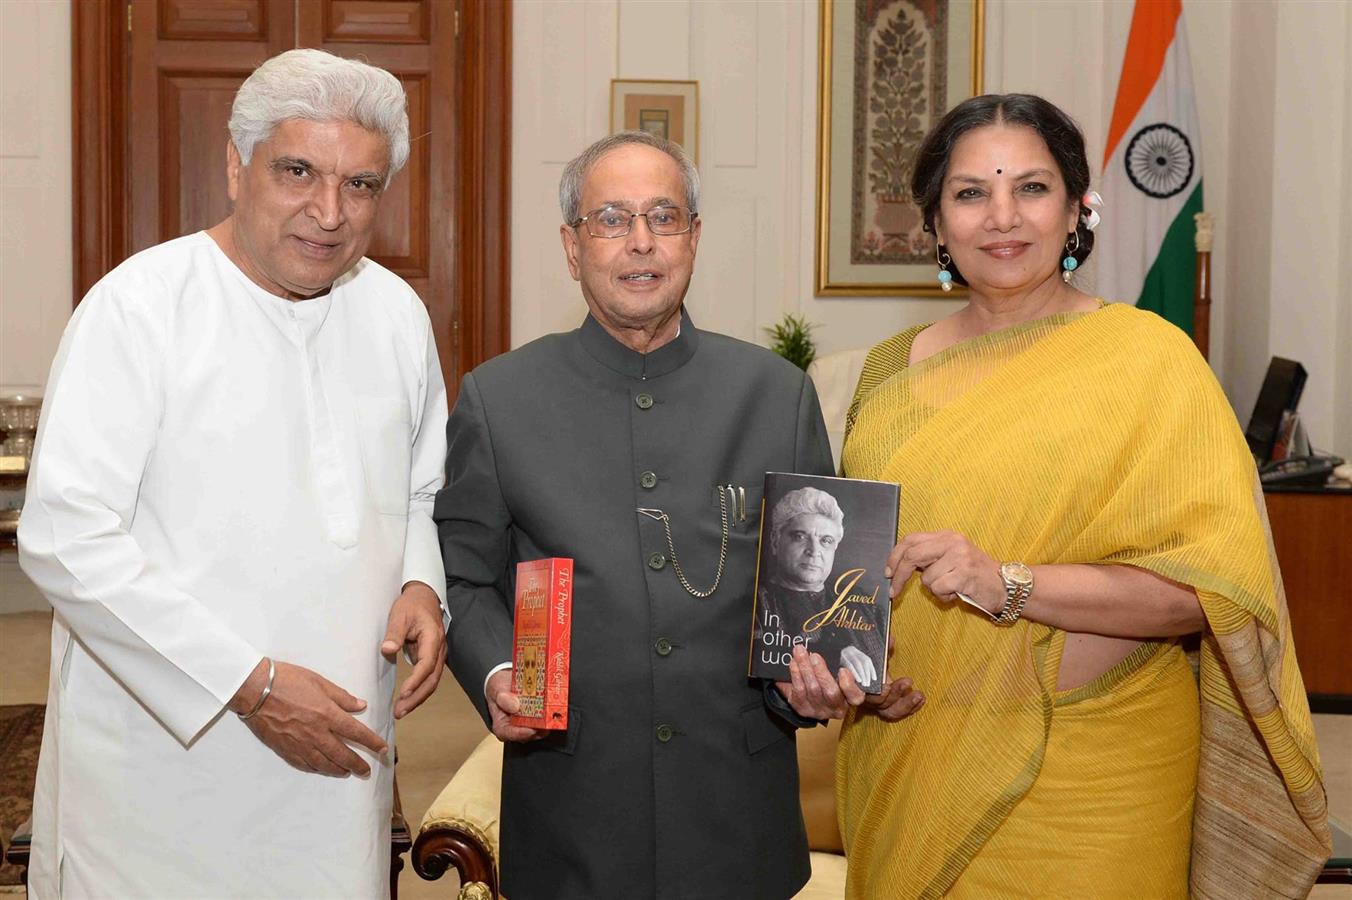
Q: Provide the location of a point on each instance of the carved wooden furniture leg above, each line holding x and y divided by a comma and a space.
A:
400, 840
18, 850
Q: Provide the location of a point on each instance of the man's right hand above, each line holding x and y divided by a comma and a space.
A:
307, 720
503, 703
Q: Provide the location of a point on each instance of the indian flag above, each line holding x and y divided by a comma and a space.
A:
1152, 170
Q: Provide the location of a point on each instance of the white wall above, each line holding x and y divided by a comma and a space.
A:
1309, 291
1269, 76
1342, 346
35, 189
1289, 274
1248, 260
35, 215
565, 54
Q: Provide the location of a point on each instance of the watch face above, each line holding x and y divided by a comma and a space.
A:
1017, 572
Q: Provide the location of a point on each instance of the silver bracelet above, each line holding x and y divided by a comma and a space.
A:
267, 689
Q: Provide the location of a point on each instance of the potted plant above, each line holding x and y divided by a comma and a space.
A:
792, 339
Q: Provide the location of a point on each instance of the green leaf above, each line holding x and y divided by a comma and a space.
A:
792, 339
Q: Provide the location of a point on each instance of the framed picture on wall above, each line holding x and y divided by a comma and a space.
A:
668, 109
887, 71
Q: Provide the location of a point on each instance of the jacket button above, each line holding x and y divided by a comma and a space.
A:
644, 401
648, 480
657, 562
663, 647
665, 733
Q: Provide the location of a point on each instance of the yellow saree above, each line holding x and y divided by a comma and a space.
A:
1103, 438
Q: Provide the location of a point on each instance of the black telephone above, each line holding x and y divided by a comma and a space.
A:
1312, 470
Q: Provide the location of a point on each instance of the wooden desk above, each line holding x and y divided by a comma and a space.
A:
1313, 536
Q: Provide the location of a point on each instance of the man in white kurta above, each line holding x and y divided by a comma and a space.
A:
227, 476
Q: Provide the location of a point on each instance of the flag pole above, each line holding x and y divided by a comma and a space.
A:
1201, 303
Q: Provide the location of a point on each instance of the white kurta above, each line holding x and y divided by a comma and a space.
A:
221, 475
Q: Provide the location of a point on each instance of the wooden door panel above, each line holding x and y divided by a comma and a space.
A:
213, 20
194, 112
401, 236
384, 21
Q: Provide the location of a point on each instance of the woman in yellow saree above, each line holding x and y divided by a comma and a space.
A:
1076, 495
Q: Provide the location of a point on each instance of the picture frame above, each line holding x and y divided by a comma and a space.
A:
669, 109
890, 68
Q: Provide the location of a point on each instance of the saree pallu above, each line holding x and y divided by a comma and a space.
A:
1098, 438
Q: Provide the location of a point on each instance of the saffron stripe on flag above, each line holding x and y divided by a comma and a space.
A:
1153, 23
1153, 170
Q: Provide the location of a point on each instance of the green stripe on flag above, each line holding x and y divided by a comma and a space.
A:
1169, 285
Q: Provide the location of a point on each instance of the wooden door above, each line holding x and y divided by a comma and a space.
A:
174, 73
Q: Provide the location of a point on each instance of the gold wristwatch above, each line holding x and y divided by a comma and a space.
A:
1018, 580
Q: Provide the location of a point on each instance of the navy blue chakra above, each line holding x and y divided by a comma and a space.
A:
1159, 160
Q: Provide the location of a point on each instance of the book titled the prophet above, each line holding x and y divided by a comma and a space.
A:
819, 577
540, 643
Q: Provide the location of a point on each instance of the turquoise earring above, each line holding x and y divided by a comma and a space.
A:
1070, 263
944, 260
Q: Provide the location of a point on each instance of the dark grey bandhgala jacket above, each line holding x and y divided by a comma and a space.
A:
675, 779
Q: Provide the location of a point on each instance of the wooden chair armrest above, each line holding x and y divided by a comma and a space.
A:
460, 829
443, 846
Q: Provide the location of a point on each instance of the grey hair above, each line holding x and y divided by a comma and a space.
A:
575, 173
804, 501
320, 87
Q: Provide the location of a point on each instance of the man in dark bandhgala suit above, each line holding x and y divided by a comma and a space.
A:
637, 445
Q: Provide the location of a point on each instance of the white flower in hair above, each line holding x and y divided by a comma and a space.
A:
1093, 202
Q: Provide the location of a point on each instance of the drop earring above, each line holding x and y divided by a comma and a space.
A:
1070, 263
944, 260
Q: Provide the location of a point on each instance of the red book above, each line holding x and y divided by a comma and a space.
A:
540, 644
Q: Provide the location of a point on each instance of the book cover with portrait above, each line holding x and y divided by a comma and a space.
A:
819, 578
542, 627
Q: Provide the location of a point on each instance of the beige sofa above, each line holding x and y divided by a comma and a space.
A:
835, 377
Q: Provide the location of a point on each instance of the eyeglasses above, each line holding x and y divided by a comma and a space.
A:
615, 221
